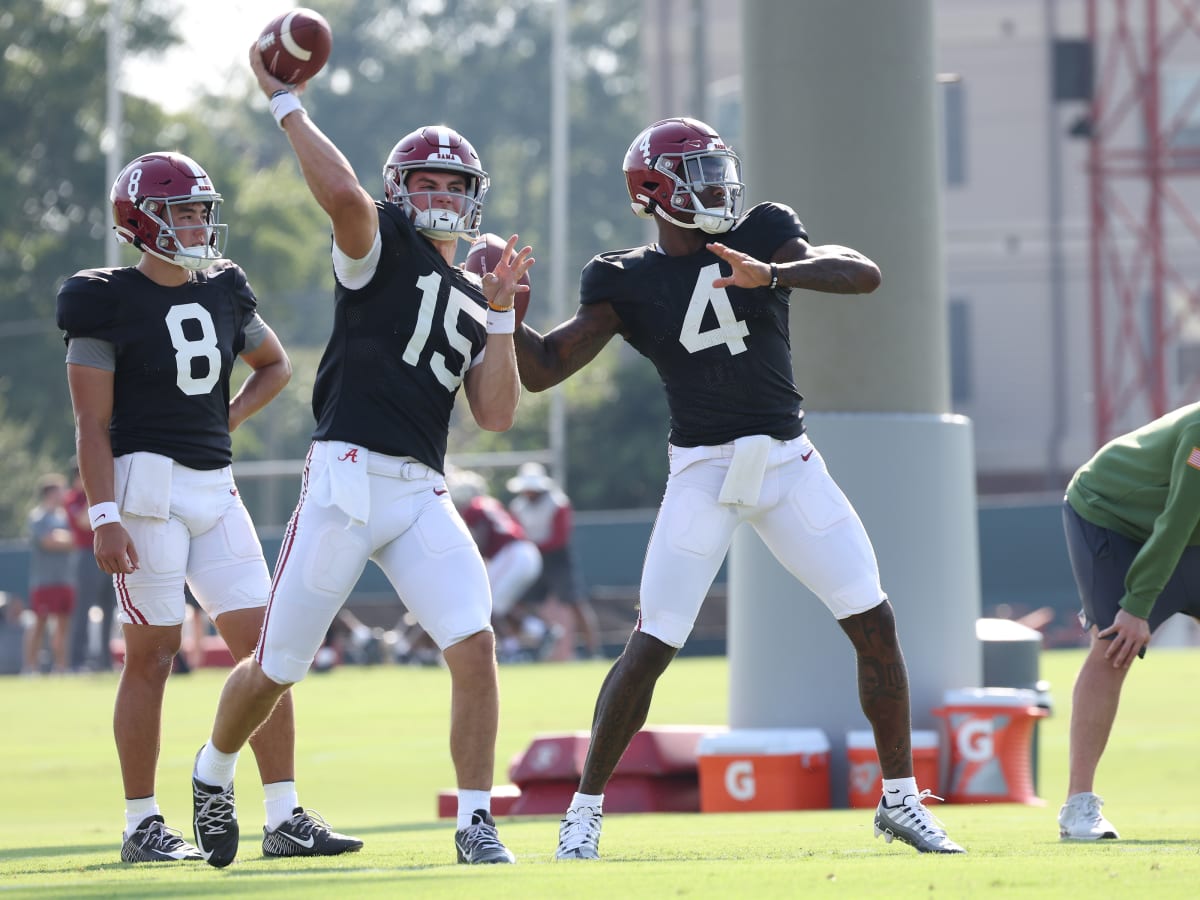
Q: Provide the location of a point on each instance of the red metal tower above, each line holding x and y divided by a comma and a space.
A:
1144, 261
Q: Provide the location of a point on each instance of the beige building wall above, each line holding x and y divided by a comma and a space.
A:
1015, 200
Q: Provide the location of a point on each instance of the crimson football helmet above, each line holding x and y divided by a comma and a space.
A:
672, 169
143, 197
442, 149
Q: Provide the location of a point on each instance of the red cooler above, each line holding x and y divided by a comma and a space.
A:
989, 733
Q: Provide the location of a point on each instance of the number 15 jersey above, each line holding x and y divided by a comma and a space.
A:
399, 350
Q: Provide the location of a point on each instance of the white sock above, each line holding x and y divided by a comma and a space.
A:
594, 800
137, 810
896, 789
281, 800
215, 768
468, 802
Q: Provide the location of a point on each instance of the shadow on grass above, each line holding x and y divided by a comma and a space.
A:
316, 883
250, 845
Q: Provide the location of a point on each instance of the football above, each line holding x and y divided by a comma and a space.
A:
482, 258
295, 45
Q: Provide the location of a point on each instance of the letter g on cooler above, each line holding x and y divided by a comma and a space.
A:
976, 740
739, 780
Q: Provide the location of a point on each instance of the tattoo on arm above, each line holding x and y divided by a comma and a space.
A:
546, 360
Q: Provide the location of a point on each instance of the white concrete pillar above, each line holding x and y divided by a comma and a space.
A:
841, 124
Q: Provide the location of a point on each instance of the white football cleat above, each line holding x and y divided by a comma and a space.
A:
579, 834
1080, 819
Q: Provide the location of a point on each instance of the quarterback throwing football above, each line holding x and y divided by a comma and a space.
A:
713, 318
409, 330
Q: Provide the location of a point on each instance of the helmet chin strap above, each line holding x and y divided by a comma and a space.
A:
441, 224
713, 224
196, 258
706, 221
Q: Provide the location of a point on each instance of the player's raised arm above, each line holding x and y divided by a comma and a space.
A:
326, 170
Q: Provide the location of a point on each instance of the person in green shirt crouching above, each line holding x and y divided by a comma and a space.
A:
1132, 521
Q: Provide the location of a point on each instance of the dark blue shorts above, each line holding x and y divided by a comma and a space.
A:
1100, 558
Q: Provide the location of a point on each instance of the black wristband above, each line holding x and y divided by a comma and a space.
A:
774, 277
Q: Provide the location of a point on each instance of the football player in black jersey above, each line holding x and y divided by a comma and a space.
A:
409, 330
150, 349
713, 318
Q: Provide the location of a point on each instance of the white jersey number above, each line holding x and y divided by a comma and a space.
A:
730, 329
186, 349
458, 303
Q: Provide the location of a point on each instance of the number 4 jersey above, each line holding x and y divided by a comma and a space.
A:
724, 355
174, 349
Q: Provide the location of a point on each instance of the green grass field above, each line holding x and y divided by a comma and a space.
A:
372, 753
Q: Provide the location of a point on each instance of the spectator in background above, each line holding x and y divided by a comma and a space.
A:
92, 586
1132, 521
513, 565
545, 513
51, 592
12, 633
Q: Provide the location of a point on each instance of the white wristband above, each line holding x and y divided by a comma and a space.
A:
282, 103
103, 514
501, 322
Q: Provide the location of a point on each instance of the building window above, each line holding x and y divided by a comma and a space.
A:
961, 389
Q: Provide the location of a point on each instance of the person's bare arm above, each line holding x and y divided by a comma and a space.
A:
92, 400
272, 370
492, 387
330, 178
546, 360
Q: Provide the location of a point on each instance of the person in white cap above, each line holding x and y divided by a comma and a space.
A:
546, 514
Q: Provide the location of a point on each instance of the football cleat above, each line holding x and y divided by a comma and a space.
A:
214, 821
153, 841
912, 824
1080, 819
307, 834
579, 834
479, 843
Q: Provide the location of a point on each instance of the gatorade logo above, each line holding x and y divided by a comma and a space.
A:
976, 740
863, 776
739, 780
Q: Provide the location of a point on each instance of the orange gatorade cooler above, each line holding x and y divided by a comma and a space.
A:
866, 778
989, 734
760, 769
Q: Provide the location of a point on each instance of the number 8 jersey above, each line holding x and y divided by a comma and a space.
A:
174, 349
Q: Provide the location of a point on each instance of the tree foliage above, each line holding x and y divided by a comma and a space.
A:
53, 203
481, 66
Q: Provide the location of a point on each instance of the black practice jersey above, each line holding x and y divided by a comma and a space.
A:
175, 348
724, 356
399, 349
